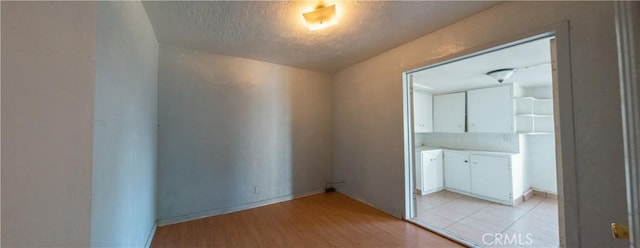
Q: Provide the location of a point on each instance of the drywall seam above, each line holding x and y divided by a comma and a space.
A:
227, 210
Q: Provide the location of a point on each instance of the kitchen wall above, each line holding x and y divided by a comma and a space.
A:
124, 143
471, 141
237, 133
540, 158
368, 100
48, 54
539, 150
540, 92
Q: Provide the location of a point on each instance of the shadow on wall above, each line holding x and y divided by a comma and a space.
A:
236, 133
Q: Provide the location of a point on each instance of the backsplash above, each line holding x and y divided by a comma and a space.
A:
470, 141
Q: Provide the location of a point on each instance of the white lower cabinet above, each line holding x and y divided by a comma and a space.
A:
429, 171
496, 177
457, 175
491, 177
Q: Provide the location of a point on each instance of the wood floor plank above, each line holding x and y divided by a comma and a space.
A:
322, 220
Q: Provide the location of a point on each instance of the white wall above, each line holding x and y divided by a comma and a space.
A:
48, 50
368, 131
540, 152
236, 133
540, 92
472, 141
124, 145
541, 162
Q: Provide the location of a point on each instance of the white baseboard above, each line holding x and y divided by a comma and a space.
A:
226, 210
150, 237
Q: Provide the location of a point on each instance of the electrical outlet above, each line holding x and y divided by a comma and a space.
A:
506, 137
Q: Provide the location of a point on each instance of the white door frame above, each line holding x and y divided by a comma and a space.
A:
628, 36
563, 116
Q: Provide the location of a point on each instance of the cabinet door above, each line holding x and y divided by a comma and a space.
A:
490, 110
491, 177
432, 171
422, 112
419, 165
457, 174
449, 113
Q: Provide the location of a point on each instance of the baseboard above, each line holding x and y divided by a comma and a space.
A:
546, 194
528, 194
150, 237
226, 210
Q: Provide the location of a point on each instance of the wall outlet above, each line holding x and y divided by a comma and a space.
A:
506, 137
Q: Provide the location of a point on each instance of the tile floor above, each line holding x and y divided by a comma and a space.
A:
532, 223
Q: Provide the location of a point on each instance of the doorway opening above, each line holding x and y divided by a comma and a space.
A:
482, 138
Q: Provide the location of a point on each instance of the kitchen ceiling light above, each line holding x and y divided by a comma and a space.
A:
501, 74
321, 17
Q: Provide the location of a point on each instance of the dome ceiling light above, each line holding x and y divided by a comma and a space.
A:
321, 17
501, 74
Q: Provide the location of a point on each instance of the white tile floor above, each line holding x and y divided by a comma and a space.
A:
532, 223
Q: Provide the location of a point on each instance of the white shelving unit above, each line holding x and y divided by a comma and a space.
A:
533, 115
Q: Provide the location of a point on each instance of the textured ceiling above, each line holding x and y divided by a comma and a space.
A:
532, 61
275, 31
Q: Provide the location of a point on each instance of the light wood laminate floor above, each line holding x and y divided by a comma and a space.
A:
322, 220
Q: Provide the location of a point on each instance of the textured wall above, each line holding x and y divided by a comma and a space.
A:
368, 143
48, 50
236, 132
124, 145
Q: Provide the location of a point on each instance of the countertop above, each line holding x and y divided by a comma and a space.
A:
430, 148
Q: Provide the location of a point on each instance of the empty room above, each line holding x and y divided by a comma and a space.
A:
319, 124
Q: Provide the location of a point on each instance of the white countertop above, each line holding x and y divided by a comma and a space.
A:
429, 148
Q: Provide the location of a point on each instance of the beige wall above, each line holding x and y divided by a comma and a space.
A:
48, 51
125, 133
236, 133
368, 131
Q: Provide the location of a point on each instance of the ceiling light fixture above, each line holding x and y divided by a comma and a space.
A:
501, 74
321, 17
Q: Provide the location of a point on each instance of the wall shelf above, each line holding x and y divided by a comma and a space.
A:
533, 115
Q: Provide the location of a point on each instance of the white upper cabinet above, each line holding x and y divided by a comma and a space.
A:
422, 112
449, 113
490, 110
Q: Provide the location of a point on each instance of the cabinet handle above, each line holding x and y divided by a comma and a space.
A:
466, 161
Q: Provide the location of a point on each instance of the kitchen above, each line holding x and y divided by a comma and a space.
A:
485, 146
